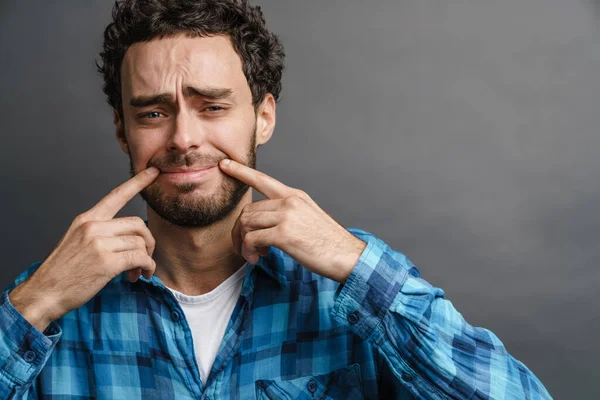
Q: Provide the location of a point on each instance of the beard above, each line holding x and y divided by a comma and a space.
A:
201, 209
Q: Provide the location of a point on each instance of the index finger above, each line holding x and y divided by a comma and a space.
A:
110, 205
268, 186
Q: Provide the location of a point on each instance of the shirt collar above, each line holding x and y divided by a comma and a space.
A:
272, 266
269, 265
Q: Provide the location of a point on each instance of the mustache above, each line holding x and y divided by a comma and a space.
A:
184, 160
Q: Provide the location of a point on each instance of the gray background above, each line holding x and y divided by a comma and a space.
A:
463, 133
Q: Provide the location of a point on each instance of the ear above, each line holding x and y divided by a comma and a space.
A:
265, 120
120, 130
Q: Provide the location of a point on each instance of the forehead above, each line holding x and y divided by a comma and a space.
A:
161, 65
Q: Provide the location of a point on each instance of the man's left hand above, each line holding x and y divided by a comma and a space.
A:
291, 221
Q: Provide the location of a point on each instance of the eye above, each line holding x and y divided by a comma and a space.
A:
214, 108
152, 115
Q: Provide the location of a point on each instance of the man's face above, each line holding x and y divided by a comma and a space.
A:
187, 104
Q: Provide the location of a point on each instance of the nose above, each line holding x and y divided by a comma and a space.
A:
188, 132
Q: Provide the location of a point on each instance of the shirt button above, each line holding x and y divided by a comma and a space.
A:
353, 318
311, 386
175, 316
29, 356
406, 377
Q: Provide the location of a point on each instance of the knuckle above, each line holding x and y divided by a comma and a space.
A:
80, 219
245, 218
149, 235
87, 228
116, 192
292, 201
262, 177
137, 258
149, 240
301, 194
248, 239
97, 245
247, 208
139, 242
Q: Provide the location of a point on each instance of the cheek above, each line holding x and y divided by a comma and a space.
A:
143, 151
143, 143
234, 140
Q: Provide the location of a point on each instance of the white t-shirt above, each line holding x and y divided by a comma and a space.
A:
208, 315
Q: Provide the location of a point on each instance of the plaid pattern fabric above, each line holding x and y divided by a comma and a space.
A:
386, 333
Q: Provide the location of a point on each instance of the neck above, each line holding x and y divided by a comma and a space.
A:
195, 260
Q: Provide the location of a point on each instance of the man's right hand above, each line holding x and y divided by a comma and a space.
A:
95, 249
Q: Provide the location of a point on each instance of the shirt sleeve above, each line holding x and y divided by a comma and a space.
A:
427, 344
24, 350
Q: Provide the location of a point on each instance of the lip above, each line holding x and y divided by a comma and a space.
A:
189, 169
179, 175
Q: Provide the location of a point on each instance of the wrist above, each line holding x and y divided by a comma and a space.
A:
347, 260
33, 307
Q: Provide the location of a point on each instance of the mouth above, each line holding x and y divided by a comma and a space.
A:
188, 169
199, 174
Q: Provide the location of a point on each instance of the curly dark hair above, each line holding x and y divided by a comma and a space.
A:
134, 21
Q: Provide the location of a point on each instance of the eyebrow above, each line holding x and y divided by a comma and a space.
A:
189, 91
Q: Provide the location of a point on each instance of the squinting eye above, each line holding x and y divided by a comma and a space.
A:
214, 108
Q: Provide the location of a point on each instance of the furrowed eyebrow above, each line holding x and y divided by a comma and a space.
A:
145, 101
210, 93
189, 91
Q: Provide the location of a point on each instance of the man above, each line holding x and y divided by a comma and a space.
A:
216, 296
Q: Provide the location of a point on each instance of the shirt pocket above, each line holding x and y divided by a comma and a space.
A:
344, 383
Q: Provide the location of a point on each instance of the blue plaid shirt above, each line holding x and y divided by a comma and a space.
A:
386, 333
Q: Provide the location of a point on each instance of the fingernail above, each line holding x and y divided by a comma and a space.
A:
152, 170
226, 161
